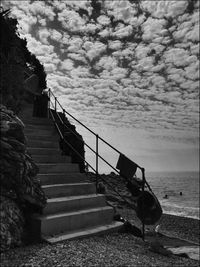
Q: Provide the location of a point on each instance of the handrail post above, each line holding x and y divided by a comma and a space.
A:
63, 124
143, 184
55, 103
49, 94
97, 160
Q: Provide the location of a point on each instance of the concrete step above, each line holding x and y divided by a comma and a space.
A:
39, 126
43, 151
26, 112
73, 203
58, 167
47, 137
41, 143
37, 121
75, 189
38, 131
49, 225
91, 231
51, 158
62, 178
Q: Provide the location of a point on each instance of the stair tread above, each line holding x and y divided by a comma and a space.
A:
66, 184
60, 178
50, 137
40, 131
44, 141
43, 148
58, 167
68, 163
83, 233
51, 158
43, 130
56, 173
71, 213
63, 173
60, 199
43, 135
36, 119
52, 155
30, 123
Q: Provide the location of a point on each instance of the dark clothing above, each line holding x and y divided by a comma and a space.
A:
148, 210
134, 188
127, 167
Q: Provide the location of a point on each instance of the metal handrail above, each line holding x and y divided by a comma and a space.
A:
95, 152
97, 137
103, 140
74, 133
106, 182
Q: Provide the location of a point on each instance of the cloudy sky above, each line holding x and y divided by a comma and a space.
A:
128, 69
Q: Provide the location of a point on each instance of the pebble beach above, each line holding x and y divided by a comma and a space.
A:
115, 249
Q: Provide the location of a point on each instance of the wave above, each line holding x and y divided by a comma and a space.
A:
173, 209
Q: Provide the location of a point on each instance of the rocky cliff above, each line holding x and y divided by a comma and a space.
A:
21, 193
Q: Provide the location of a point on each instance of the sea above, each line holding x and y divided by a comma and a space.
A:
178, 192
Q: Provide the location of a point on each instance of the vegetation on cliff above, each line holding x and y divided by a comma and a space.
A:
17, 63
21, 193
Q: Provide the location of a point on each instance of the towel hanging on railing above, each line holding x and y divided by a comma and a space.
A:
127, 167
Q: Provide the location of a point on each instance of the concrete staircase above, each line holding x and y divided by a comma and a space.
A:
73, 208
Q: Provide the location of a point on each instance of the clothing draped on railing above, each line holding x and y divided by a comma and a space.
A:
126, 166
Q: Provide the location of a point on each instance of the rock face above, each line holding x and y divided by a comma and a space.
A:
113, 184
119, 194
12, 224
21, 193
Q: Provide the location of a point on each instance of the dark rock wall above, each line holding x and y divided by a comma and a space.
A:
21, 193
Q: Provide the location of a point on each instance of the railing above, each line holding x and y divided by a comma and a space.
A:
54, 103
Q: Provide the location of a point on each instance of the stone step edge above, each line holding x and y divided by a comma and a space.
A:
44, 129
72, 213
27, 121
101, 229
51, 167
63, 173
48, 164
35, 119
66, 184
61, 199
45, 124
43, 141
69, 177
43, 136
52, 156
44, 148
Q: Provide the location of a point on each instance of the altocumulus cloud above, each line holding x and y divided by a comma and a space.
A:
125, 63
